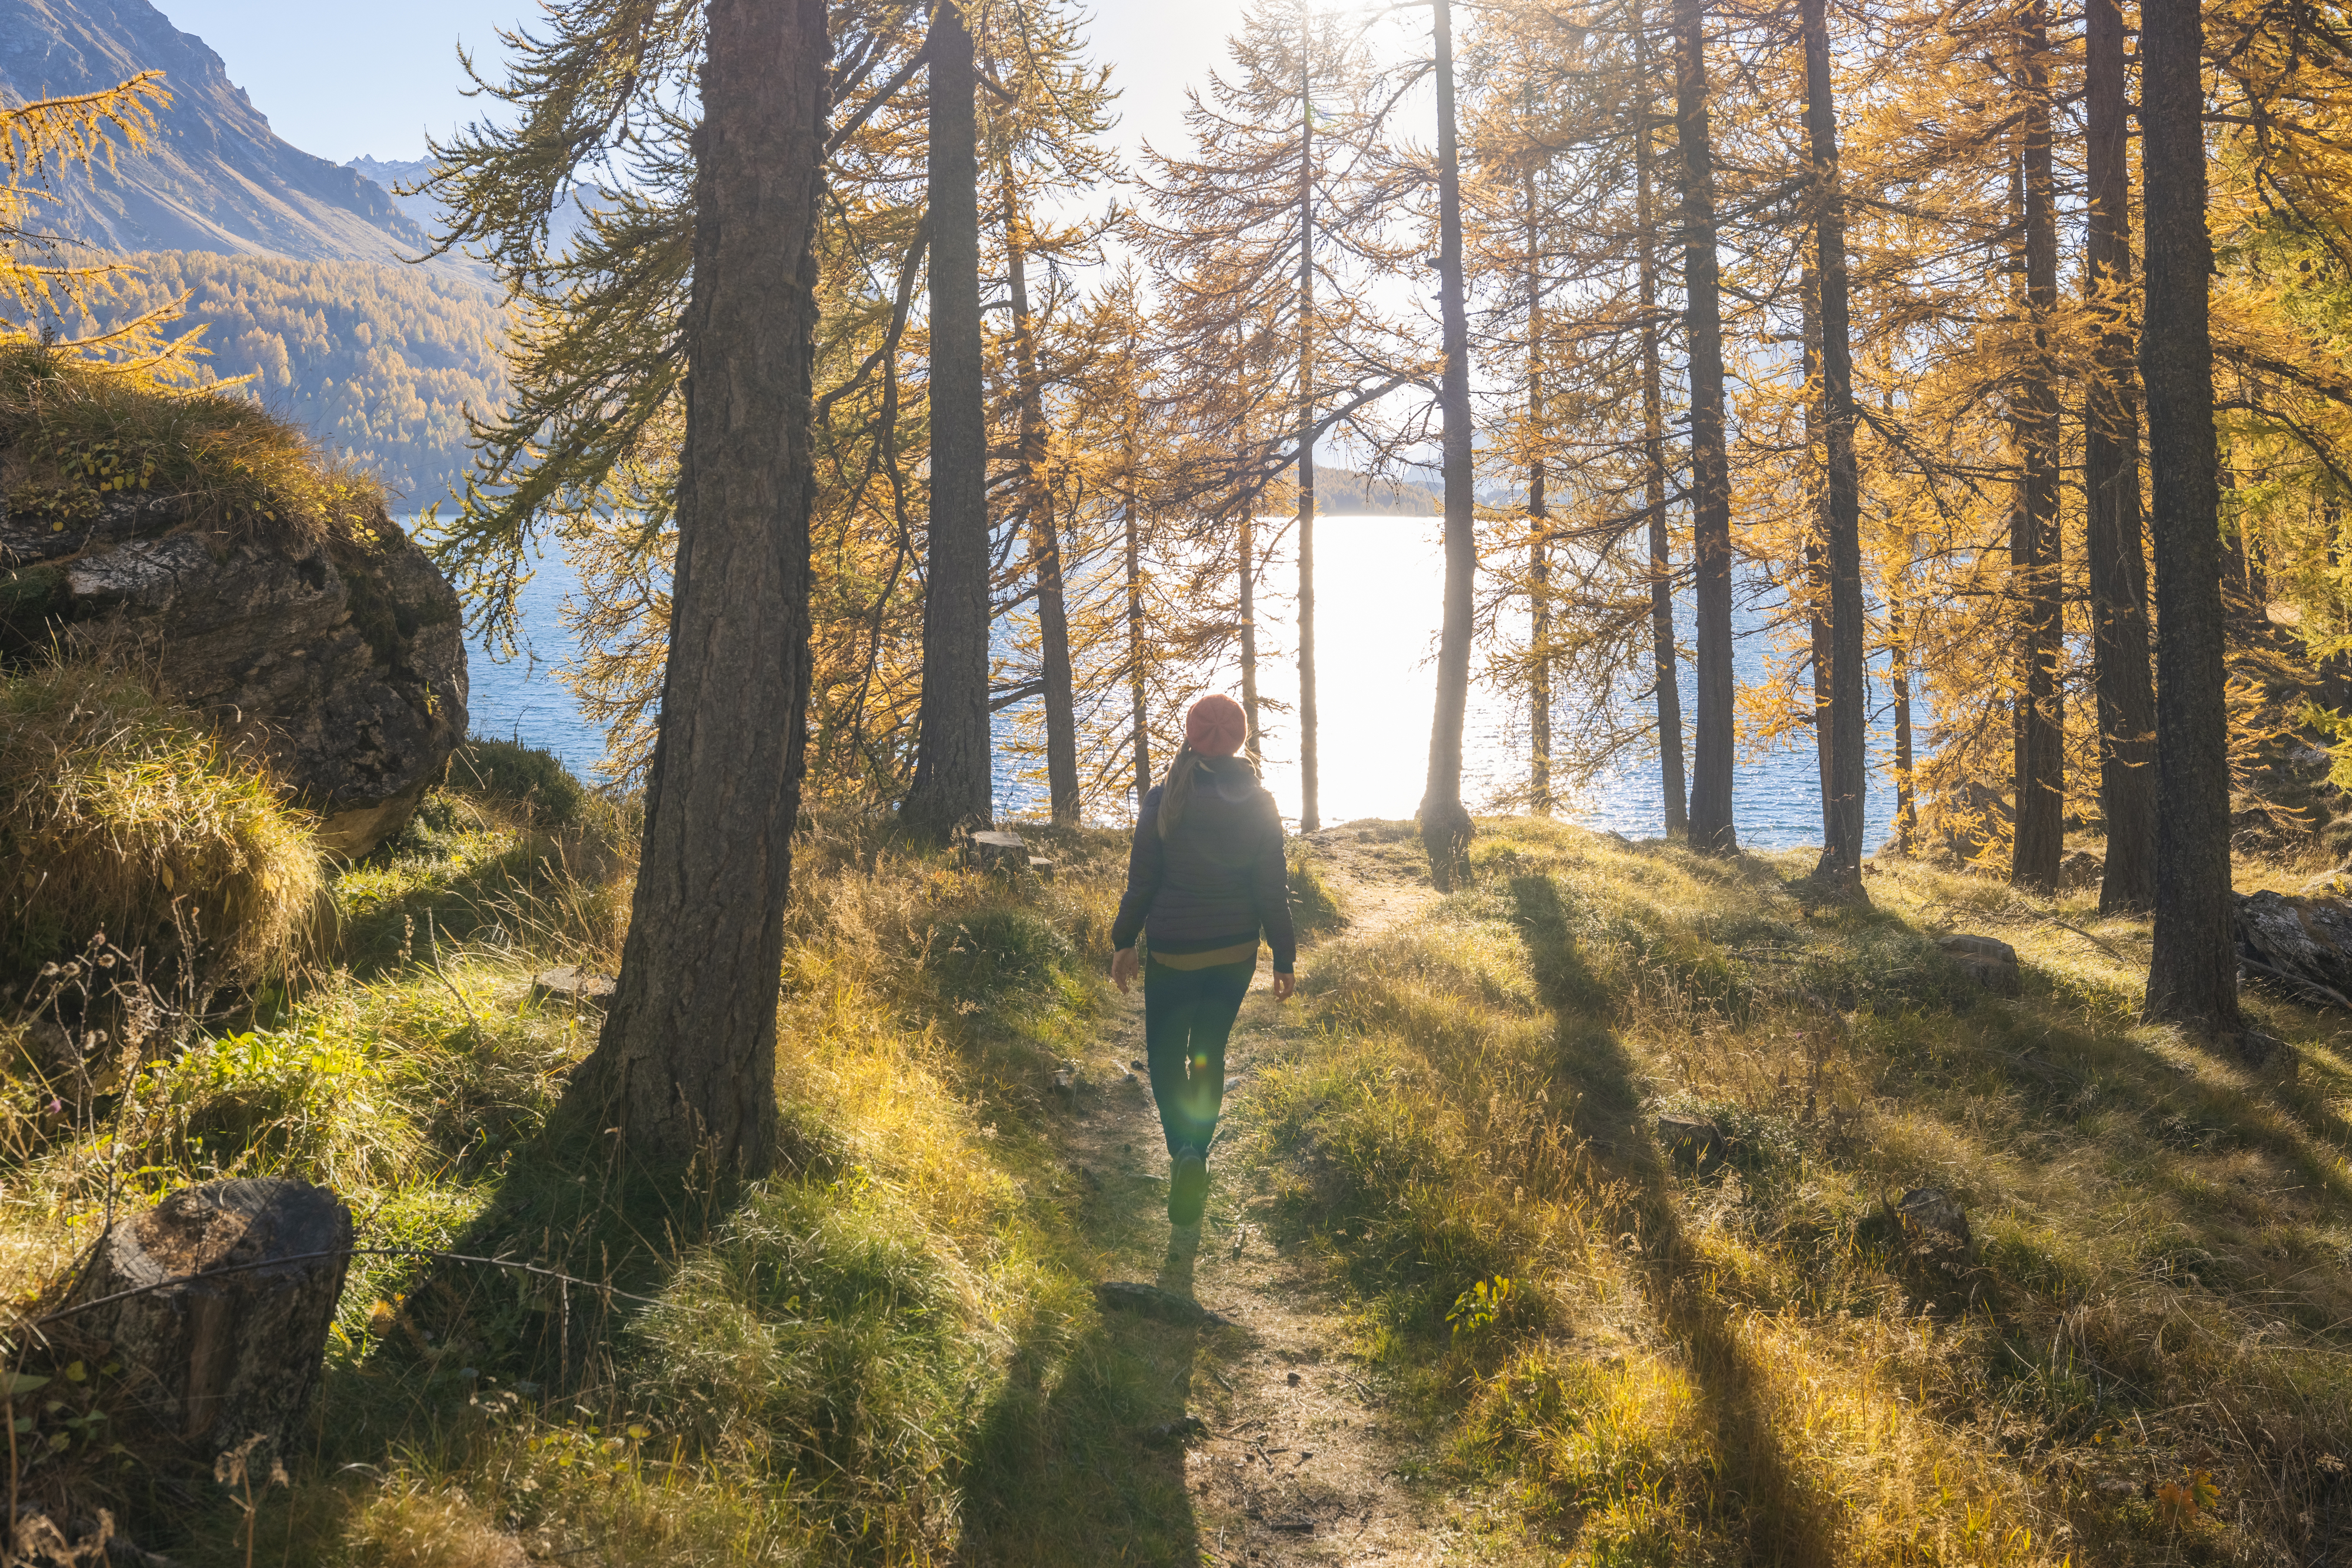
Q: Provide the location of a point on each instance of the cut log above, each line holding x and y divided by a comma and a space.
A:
227, 1291
2302, 946
998, 852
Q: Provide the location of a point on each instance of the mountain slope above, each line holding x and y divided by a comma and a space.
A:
426, 212
215, 177
378, 362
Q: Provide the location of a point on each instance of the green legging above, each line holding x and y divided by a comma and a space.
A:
1187, 1016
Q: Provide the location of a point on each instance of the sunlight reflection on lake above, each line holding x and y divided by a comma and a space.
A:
1377, 582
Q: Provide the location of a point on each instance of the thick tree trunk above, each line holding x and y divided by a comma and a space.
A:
2112, 536
1309, 762
953, 786
1044, 539
1847, 782
1711, 825
686, 1066
2192, 975
1665, 649
2040, 761
1445, 827
236, 1284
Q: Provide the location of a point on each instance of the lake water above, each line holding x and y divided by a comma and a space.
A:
1377, 582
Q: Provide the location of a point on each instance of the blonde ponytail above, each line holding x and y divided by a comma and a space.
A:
1176, 791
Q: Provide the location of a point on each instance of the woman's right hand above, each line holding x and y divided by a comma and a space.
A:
1123, 968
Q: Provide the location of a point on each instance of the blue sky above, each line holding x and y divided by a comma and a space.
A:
340, 79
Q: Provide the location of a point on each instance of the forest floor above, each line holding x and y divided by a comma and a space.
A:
1479, 1296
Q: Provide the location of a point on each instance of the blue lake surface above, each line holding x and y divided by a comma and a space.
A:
1376, 597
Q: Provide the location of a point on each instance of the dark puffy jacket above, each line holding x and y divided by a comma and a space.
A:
1218, 877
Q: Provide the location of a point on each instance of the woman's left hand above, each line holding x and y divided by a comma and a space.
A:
1284, 985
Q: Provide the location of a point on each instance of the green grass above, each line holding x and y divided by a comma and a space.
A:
2143, 1360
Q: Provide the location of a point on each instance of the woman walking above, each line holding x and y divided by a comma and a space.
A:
1204, 879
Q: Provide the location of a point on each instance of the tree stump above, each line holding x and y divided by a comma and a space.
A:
236, 1283
1000, 852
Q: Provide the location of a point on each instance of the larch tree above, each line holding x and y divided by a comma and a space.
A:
2113, 543
1711, 824
685, 1066
1444, 821
954, 785
2192, 976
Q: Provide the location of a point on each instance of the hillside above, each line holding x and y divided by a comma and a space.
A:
378, 362
214, 176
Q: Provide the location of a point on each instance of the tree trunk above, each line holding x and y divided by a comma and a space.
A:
1816, 568
1135, 682
1309, 804
1898, 649
686, 1066
1254, 743
2040, 771
2192, 975
1445, 827
953, 788
1848, 779
1539, 550
2112, 538
1711, 825
213, 1361
1665, 649
1044, 539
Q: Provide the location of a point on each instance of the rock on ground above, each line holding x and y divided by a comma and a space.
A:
342, 662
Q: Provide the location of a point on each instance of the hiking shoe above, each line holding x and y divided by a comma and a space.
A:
1188, 1190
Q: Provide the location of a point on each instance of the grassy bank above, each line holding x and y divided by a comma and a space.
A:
849, 1364
2141, 1357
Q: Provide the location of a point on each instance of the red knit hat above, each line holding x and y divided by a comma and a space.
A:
1215, 726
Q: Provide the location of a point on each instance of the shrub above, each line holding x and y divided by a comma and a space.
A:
980, 955
532, 782
120, 812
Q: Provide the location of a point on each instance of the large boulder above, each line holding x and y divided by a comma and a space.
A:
341, 658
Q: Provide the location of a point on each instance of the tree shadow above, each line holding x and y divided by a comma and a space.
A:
1786, 1521
1080, 1458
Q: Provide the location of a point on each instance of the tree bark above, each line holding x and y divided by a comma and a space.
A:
1135, 683
2112, 534
1309, 804
2192, 976
1847, 778
1665, 649
1044, 539
1255, 742
1711, 825
1898, 651
686, 1065
1539, 550
2040, 762
952, 786
1445, 828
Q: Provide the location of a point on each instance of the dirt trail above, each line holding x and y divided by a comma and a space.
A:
1299, 1460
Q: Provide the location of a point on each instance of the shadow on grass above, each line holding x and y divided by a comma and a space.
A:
1785, 1522
1088, 1468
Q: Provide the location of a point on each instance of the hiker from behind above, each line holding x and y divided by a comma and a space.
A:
1204, 879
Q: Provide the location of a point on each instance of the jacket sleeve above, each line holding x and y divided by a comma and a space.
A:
1272, 880
1147, 862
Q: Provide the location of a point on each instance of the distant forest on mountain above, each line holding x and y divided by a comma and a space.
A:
379, 362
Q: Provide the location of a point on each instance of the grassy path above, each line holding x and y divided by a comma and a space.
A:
1300, 1458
